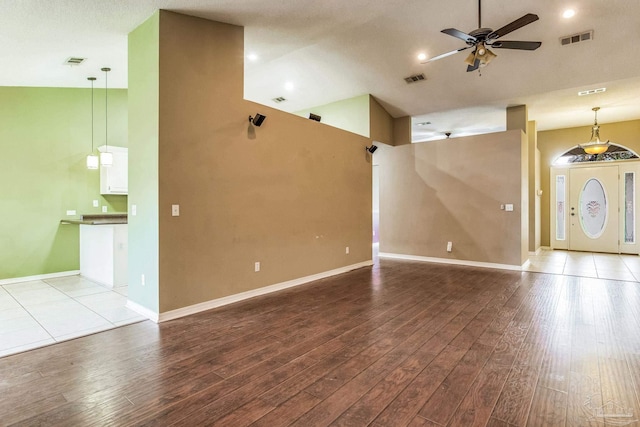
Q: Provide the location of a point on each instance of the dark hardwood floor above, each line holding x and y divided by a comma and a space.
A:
399, 344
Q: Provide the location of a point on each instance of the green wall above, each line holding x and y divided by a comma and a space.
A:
144, 70
45, 135
348, 114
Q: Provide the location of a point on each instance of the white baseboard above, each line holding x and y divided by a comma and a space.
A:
39, 277
142, 311
208, 305
454, 261
537, 251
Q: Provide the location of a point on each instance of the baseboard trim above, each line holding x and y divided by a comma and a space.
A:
453, 261
142, 311
536, 252
208, 305
39, 277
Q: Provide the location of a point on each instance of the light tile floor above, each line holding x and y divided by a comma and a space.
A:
42, 312
586, 264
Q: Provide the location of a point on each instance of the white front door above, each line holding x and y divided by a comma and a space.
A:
593, 209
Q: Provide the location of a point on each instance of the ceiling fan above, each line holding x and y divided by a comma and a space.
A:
483, 38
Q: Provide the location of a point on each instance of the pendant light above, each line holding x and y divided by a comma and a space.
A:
595, 146
92, 159
106, 158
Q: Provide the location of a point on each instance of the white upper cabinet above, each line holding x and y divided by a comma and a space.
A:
115, 179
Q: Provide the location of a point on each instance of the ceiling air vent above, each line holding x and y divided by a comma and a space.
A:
577, 38
279, 99
415, 78
73, 60
592, 91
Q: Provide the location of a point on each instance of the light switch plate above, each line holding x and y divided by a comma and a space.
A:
175, 210
508, 207
134, 210
96, 203
71, 213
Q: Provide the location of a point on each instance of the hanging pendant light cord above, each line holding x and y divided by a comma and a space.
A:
92, 116
106, 111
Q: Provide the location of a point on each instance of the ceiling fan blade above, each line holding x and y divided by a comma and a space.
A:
513, 44
468, 38
518, 23
444, 55
473, 67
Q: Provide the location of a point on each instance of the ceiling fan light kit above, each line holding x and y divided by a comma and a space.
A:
483, 38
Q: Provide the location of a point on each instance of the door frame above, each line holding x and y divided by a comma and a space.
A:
624, 167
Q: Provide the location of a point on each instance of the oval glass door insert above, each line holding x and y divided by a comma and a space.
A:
593, 208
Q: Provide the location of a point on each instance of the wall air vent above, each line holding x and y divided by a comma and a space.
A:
577, 38
279, 99
74, 60
415, 78
592, 91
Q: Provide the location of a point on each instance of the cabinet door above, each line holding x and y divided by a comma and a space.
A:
115, 179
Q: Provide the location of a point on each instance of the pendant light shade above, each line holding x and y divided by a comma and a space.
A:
106, 158
595, 146
92, 159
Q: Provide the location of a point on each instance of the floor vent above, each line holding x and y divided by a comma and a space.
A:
577, 38
73, 60
415, 78
279, 99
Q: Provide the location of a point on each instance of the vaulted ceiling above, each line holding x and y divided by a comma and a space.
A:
317, 52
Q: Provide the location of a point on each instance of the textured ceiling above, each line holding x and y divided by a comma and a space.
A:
336, 49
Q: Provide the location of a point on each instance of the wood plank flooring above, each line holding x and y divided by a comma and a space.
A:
398, 344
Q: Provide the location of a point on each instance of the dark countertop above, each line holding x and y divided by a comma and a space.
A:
98, 219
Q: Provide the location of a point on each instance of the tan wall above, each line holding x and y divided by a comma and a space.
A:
554, 143
451, 190
380, 123
534, 200
290, 194
402, 130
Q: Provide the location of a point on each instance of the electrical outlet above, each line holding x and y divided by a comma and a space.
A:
96, 203
175, 210
142, 279
449, 246
104, 209
346, 250
256, 267
71, 213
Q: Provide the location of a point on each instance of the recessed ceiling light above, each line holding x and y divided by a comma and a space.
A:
288, 86
569, 13
252, 57
422, 56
